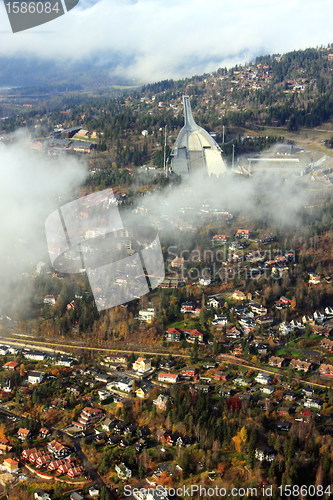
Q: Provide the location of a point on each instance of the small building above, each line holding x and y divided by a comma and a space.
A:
35, 377
161, 402
326, 370
170, 378
23, 434
263, 378
122, 471
142, 365
11, 365
303, 366
219, 238
41, 495
49, 300
173, 335
238, 295
242, 233
276, 361
265, 454
177, 263
146, 315
10, 465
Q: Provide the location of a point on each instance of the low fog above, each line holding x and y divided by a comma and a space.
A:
32, 185
266, 195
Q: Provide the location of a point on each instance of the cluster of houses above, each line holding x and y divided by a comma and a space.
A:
56, 458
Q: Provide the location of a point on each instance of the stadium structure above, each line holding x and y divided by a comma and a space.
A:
195, 149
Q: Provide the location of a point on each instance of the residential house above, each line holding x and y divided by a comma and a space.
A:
267, 390
265, 320
116, 359
219, 238
35, 355
173, 335
283, 426
242, 233
258, 309
43, 461
308, 320
327, 344
3, 350
238, 295
65, 361
35, 377
93, 492
215, 302
147, 315
143, 391
103, 394
122, 471
263, 378
299, 365
329, 311
277, 361
4, 446
194, 335
319, 317
188, 373
220, 319
44, 432
177, 263
23, 434
11, 365
57, 449
313, 403
326, 370
187, 307
221, 376
10, 465
41, 495
124, 384
170, 378
76, 496
89, 417
75, 472
161, 402
233, 333
142, 365
49, 300
314, 278
265, 454
27, 452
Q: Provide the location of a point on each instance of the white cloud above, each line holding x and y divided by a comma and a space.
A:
158, 39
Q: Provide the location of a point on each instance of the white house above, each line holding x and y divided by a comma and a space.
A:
265, 454
35, 355
122, 384
263, 378
171, 378
35, 377
103, 394
122, 471
49, 300
147, 315
142, 365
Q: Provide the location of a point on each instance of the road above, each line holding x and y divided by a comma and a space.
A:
55, 346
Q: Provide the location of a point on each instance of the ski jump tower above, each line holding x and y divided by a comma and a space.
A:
195, 149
